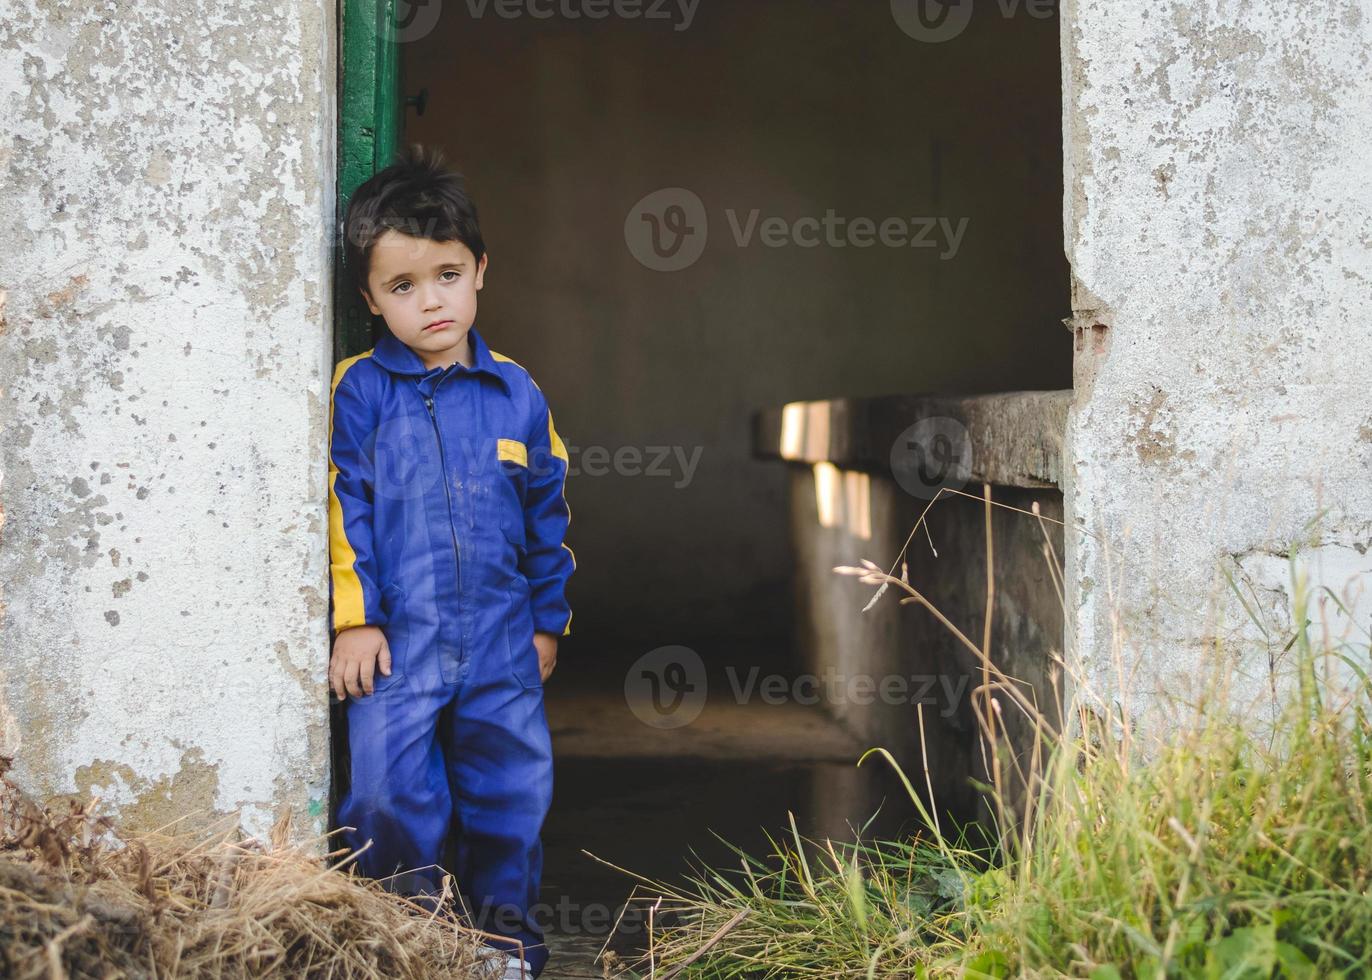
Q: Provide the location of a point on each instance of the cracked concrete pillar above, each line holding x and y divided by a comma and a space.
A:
1217, 216
165, 363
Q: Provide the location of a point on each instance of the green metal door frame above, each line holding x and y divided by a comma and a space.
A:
368, 135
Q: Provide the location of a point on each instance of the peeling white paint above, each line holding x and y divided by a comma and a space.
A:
165, 360
1219, 219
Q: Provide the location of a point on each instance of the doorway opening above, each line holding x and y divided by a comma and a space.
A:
693, 218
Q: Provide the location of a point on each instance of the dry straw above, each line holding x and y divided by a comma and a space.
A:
79, 898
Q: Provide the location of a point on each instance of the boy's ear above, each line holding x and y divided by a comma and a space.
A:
481, 270
368, 297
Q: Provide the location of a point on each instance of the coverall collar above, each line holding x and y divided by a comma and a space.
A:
395, 357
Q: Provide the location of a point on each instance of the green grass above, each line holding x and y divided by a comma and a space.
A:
1213, 850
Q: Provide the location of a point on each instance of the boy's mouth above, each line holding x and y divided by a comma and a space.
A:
438, 325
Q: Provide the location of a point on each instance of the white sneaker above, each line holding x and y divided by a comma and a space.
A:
490, 963
496, 964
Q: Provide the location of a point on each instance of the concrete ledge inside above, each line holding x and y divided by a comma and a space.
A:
846, 504
1015, 437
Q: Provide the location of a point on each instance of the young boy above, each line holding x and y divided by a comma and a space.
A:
446, 520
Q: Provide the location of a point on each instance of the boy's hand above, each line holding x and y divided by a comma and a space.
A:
357, 652
546, 645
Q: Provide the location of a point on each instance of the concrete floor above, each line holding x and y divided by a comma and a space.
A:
646, 799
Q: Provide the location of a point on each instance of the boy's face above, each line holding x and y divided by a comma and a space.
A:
426, 290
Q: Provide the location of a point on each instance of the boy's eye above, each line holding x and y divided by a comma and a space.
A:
400, 287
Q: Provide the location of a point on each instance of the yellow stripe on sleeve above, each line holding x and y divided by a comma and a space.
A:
349, 606
560, 451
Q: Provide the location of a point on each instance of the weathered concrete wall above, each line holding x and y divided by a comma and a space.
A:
1218, 215
165, 361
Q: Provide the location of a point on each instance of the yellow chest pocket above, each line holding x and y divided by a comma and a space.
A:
513, 451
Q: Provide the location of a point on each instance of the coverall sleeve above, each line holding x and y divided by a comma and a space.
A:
547, 562
353, 588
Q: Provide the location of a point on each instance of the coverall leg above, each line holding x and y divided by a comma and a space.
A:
485, 763
500, 766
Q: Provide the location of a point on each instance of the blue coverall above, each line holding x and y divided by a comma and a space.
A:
446, 525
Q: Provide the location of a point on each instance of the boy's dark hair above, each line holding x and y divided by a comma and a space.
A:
418, 195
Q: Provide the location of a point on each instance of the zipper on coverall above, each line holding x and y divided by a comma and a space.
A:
447, 491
